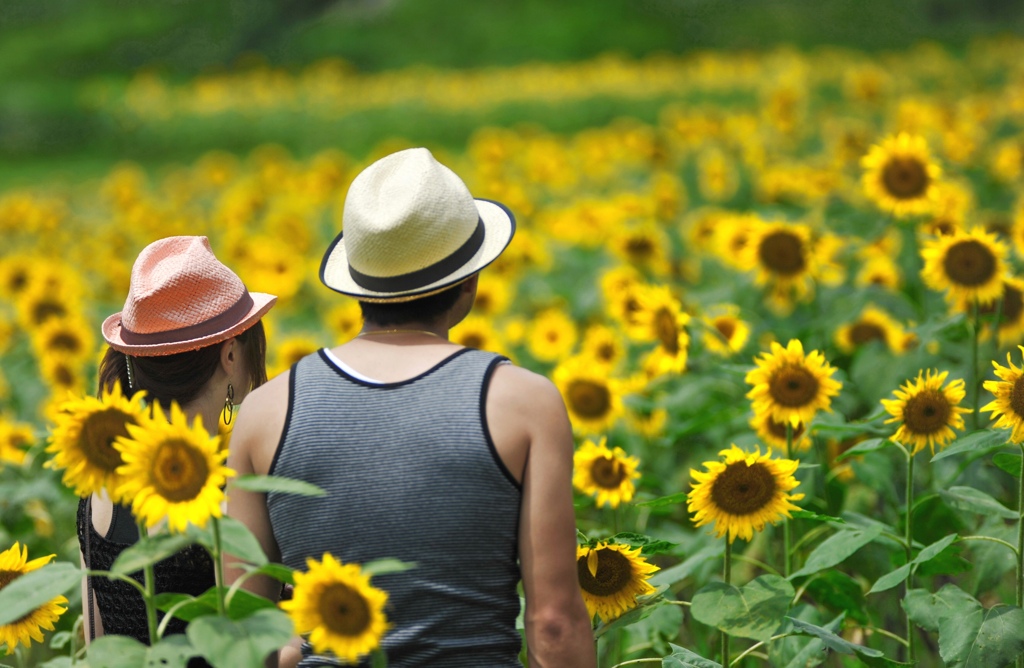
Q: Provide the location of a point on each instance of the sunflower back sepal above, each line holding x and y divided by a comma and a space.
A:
984, 439
751, 611
35, 588
646, 604
148, 552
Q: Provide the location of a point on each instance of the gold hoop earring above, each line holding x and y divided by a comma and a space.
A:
229, 406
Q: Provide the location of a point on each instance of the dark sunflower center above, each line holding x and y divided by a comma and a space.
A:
778, 429
726, 327
589, 399
63, 376
606, 352
969, 263
782, 253
66, 341
179, 470
18, 281
344, 610
98, 435
473, 341
1017, 397
614, 572
793, 387
742, 489
1009, 307
482, 302
607, 472
44, 310
7, 577
667, 331
862, 332
639, 248
926, 412
905, 178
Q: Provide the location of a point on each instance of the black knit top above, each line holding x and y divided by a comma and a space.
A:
121, 606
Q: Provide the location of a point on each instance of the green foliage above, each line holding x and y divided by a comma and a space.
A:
245, 642
751, 611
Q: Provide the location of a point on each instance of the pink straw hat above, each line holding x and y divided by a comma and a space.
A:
182, 298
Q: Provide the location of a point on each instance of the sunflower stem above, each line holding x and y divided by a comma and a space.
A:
1020, 543
786, 538
218, 566
727, 576
149, 595
909, 547
976, 365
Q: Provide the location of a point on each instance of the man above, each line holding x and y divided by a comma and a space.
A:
431, 453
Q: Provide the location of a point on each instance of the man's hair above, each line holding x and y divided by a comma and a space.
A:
424, 309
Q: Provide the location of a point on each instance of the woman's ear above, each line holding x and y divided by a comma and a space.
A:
229, 355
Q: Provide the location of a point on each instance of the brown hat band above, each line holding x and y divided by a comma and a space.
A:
216, 324
426, 275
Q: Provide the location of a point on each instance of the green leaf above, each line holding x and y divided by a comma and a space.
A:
670, 500
243, 604
679, 572
976, 501
245, 642
239, 542
57, 662
385, 566
31, 590
149, 551
831, 640
273, 483
839, 592
751, 611
124, 652
969, 635
279, 572
648, 546
1009, 462
645, 606
684, 658
890, 580
836, 548
809, 515
870, 445
978, 440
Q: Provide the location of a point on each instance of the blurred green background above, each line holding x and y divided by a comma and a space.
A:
53, 52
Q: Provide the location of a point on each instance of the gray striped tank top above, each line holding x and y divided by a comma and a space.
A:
410, 472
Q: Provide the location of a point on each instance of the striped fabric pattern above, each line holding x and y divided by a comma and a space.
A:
411, 473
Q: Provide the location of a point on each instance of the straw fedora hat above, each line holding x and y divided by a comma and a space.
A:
182, 298
411, 229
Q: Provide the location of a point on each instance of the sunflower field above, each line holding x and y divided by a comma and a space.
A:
781, 292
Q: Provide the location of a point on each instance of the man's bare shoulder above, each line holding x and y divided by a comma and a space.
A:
269, 398
515, 386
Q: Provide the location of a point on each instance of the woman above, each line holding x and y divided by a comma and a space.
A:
191, 333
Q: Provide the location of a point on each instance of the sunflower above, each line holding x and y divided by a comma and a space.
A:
773, 432
493, 295
71, 337
790, 385
900, 176
338, 607
731, 236
880, 271
551, 336
291, 350
927, 411
659, 316
592, 398
743, 492
612, 576
1010, 309
476, 331
172, 470
37, 304
604, 345
644, 245
725, 333
874, 324
969, 266
13, 564
14, 440
783, 259
1008, 405
345, 320
604, 473
83, 439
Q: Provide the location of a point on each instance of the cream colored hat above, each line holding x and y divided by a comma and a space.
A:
182, 298
411, 228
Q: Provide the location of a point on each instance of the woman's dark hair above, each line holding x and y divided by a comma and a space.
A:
181, 376
424, 309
